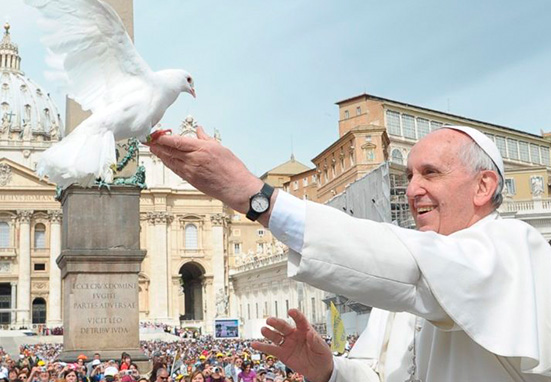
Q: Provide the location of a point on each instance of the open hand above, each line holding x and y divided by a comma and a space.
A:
301, 348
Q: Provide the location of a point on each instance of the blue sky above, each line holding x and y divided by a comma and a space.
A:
268, 72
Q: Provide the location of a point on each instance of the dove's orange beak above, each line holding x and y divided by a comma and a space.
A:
192, 92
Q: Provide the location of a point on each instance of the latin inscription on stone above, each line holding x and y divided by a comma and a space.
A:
102, 306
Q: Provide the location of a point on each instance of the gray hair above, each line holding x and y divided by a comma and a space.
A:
160, 371
477, 160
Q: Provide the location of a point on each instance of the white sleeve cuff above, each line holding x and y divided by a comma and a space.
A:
287, 220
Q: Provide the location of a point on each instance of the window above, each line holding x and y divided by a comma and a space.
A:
535, 153
423, 127
512, 148
305, 182
249, 311
346, 114
313, 309
275, 309
237, 248
510, 184
39, 267
393, 122
266, 310
4, 235
408, 126
256, 305
524, 151
40, 236
435, 125
501, 145
260, 232
545, 159
397, 156
191, 236
236, 232
358, 110
259, 247
295, 185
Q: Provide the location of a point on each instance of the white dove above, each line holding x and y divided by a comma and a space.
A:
107, 76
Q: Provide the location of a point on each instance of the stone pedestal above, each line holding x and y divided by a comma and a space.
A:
100, 261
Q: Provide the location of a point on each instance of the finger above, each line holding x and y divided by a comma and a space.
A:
280, 325
169, 152
271, 335
179, 143
201, 134
274, 350
300, 319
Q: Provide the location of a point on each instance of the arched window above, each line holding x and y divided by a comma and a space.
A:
40, 236
4, 235
397, 156
39, 311
191, 236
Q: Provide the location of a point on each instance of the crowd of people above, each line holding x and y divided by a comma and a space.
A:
200, 359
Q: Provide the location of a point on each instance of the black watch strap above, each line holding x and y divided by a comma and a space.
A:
267, 191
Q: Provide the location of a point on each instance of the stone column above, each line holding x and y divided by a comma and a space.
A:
54, 308
218, 282
159, 270
24, 287
13, 304
208, 302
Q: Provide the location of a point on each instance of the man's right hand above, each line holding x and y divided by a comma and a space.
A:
209, 167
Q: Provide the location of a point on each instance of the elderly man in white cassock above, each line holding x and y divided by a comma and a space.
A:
472, 290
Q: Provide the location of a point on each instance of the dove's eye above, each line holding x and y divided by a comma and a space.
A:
189, 80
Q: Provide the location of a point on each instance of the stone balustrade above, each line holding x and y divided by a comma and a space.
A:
526, 206
260, 261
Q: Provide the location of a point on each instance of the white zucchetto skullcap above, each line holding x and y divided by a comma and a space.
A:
484, 143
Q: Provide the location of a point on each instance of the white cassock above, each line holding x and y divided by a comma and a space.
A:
485, 291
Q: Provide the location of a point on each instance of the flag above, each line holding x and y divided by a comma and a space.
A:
339, 336
176, 364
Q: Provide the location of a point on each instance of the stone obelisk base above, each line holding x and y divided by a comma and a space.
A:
100, 261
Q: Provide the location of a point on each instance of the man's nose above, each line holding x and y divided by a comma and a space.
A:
415, 187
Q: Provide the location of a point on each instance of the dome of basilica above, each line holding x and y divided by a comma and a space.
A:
27, 113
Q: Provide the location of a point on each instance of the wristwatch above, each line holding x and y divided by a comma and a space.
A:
260, 202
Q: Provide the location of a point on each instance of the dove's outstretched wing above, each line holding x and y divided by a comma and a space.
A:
96, 50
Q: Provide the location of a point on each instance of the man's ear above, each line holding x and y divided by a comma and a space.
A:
486, 187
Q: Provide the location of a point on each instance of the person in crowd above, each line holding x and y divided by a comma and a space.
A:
110, 373
162, 375
197, 376
70, 375
125, 362
248, 374
96, 360
216, 374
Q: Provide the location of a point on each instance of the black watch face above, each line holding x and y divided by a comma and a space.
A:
260, 203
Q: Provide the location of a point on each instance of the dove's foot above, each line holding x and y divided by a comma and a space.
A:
157, 134
101, 183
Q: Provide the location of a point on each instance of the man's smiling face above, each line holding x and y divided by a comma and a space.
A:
441, 188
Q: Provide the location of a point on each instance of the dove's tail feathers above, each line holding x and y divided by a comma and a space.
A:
83, 156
